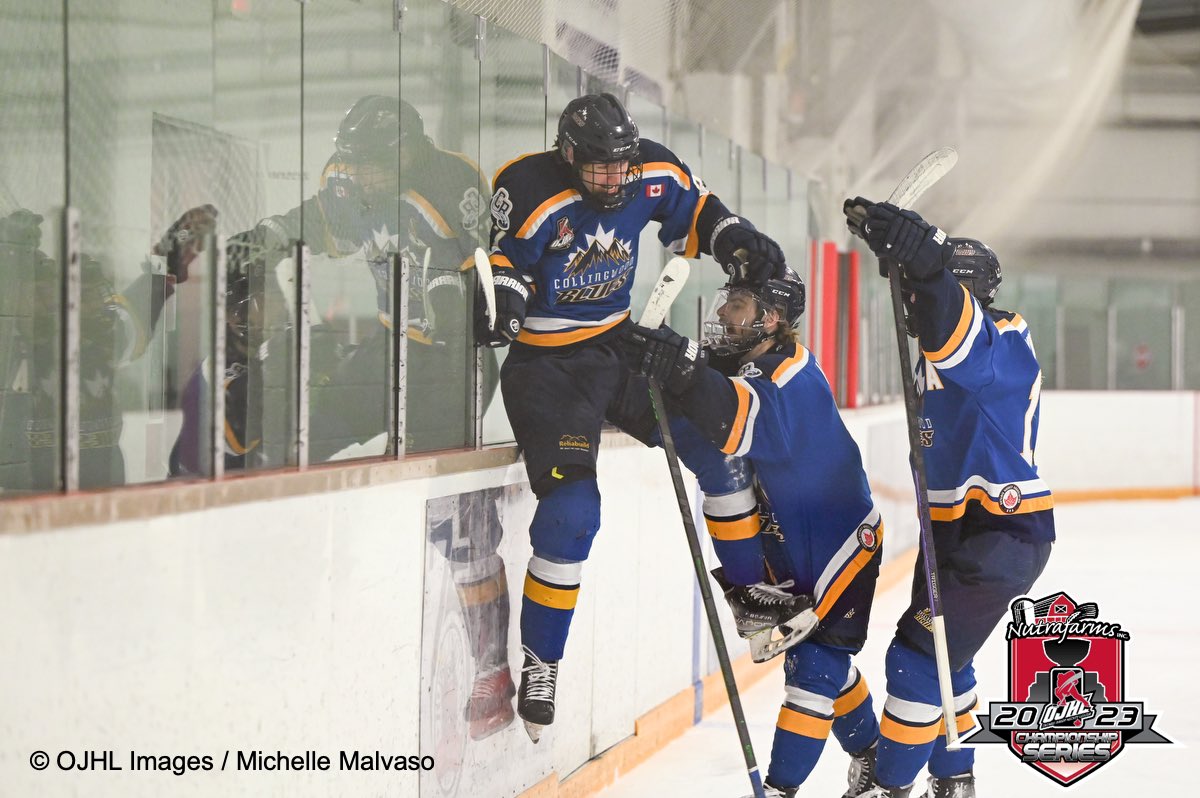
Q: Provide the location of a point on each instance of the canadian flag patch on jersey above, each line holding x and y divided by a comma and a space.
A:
654, 189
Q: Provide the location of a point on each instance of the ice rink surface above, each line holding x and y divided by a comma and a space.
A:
1136, 559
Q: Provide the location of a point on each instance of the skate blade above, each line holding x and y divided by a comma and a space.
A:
482, 729
770, 643
534, 730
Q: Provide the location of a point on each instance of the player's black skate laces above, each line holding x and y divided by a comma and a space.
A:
772, 594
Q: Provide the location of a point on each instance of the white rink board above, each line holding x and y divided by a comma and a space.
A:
295, 625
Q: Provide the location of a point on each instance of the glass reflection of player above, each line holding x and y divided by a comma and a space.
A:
115, 329
387, 189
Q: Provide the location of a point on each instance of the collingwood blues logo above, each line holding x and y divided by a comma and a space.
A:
1067, 713
597, 269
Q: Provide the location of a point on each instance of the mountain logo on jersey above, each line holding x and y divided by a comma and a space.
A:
603, 251
596, 270
565, 235
1067, 713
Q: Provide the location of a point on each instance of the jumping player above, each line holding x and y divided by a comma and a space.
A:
993, 522
565, 230
820, 533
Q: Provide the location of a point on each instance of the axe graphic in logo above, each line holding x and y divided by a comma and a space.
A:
1066, 714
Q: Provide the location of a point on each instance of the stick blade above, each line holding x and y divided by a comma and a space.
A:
484, 267
929, 170
670, 282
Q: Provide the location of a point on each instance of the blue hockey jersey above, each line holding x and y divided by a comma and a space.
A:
581, 258
981, 387
779, 413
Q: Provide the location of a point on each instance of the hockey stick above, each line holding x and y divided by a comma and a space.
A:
670, 283
484, 267
920, 178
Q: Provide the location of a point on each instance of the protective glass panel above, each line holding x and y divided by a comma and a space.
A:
1036, 299
31, 197
652, 256
354, 223
696, 300
444, 215
1142, 352
512, 124
1189, 300
141, 143
256, 170
1084, 314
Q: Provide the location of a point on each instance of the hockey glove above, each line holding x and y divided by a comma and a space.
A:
746, 255
919, 247
184, 240
856, 213
512, 296
664, 356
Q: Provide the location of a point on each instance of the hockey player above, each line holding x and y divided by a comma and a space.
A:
993, 522
820, 538
565, 230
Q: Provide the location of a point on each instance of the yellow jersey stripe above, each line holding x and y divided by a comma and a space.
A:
847, 575
664, 166
1028, 505
739, 420
567, 336
692, 248
544, 210
960, 331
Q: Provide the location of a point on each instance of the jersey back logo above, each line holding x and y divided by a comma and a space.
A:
501, 207
1066, 714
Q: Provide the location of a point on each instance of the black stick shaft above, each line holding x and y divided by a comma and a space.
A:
917, 463
710, 608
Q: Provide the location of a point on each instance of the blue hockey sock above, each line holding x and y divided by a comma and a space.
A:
563, 527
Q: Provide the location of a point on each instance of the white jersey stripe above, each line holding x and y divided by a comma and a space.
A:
551, 324
1028, 487
847, 551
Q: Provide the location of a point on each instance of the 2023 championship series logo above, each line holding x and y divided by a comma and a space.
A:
1067, 713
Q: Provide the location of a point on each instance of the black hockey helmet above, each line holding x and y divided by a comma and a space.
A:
725, 334
373, 135
596, 129
374, 127
975, 266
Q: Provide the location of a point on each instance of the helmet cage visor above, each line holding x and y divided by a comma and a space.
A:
737, 322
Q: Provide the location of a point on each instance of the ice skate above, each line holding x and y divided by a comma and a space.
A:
960, 786
535, 700
770, 618
489, 708
771, 791
879, 791
862, 772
